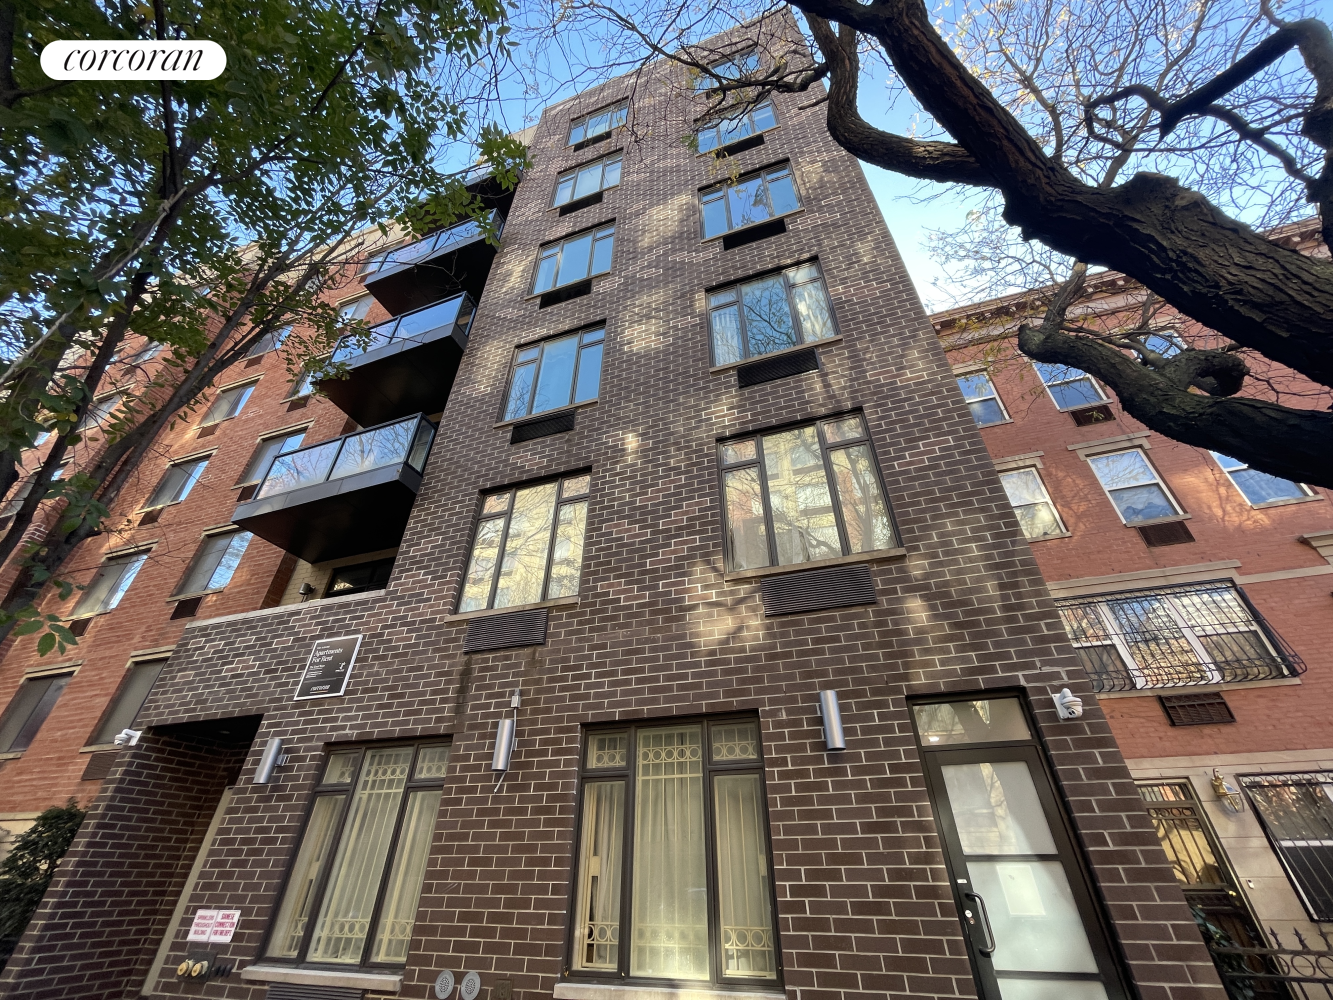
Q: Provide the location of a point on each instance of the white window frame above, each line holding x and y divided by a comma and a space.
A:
1097, 387
1036, 471
231, 533
1180, 512
963, 373
135, 558
249, 384
1239, 466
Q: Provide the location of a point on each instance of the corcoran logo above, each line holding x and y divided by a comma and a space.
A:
91, 60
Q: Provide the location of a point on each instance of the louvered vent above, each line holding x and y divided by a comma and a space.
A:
517, 628
187, 608
1092, 415
783, 366
818, 590
754, 234
574, 291
592, 199
1203, 709
99, 765
544, 427
300, 991
740, 146
591, 142
1166, 533
150, 516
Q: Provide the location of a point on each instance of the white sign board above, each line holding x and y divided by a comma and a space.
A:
214, 926
202, 925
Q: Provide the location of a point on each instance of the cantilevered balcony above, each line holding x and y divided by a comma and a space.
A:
343, 497
408, 367
451, 260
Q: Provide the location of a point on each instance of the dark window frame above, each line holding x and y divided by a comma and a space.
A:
541, 345
783, 273
1319, 908
705, 193
586, 774
598, 233
747, 114
263, 441
40, 709
618, 154
333, 576
583, 120
135, 663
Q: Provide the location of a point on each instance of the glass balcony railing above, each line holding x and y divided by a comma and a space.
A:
415, 324
403, 442
424, 249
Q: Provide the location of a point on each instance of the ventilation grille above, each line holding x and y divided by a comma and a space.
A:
754, 234
783, 366
517, 628
1203, 709
256, 361
1092, 415
590, 142
150, 516
298, 404
544, 427
80, 626
574, 291
187, 608
740, 146
247, 493
208, 431
592, 199
818, 590
1166, 533
99, 765
300, 991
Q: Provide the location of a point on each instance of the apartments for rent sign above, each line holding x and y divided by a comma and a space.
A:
99, 60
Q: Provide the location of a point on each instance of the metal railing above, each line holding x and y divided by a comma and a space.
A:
1279, 973
410, 325
401, 442
1206, 633
428, 246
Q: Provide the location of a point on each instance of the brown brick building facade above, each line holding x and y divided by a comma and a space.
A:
663, 639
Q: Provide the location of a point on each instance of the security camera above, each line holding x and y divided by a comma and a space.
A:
1067, 704
127, 737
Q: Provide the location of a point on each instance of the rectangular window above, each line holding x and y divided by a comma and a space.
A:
133, 692
982, 399
357, 309
303, 386
686, 801
215, 562
1171, 636
750, 200
1032, 504
1296, 811
769, 314
737, 67
803, 494
352, 891
267, 450
725, 131
598, 123
177, 482
529, 545
1259, 487
588, 179
109, 584
99, 411
271, 341
228, 403
1133, 486
361, 578
555, 373
28, 710
1069, 387
574, 259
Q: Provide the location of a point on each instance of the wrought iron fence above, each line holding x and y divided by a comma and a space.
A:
1277, 973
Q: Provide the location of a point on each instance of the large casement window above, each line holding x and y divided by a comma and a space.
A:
529, 545
587, 179
351, 895
133, 692
1296, 811
725, 131
555, 373
583, 256
802, 494
28, 710
752, 199
109, 584
673, 858
215, 562
598, 123
1032, 926
769, 314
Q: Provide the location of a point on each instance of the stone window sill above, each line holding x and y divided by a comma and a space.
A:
606, 991
1158, 520
1283, 503
776, 354
12, 755
388, 982
858, 557
1058, 534
547, 413
557, 602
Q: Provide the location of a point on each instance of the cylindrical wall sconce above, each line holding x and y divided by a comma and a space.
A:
832, 716
505, 735
270, 760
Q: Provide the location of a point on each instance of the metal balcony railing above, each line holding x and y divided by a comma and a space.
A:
1206, 633
404, 442
427, 247
448, 314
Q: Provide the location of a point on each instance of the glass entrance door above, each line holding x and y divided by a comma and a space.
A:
1031, 923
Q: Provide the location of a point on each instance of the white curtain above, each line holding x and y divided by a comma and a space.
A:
409, 868
745, 913
600, 865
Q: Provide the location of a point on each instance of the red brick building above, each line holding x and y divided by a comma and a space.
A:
1197, 592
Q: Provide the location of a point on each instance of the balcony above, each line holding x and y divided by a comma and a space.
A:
343, 497
451, 260
408, 367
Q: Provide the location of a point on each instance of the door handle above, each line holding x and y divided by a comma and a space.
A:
989, 934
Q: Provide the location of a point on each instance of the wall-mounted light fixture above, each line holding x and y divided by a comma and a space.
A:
832, 716
127, 737
1067, 704
506, 735
1227, 792
272, 758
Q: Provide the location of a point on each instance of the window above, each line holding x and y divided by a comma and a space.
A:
270, 341
737, 67
215, 562
725, 131
1296, 811
1133, 486
1069, 387
133, 692
982, 399
1259, 487
99, 411
228, 403
1173, 636
555, 373
1032, 504
583, 181
798, 495
574, 259
598, 123
351, 895
752, 199
28, 710
269, 449
357, 309
360, 578
769, 314
109, 584
686, 802
146, 352
177, 481
21, 491
529, 545
303, 386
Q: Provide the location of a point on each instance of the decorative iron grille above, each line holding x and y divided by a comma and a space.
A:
1296, 811
1304, 973
1203, 633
